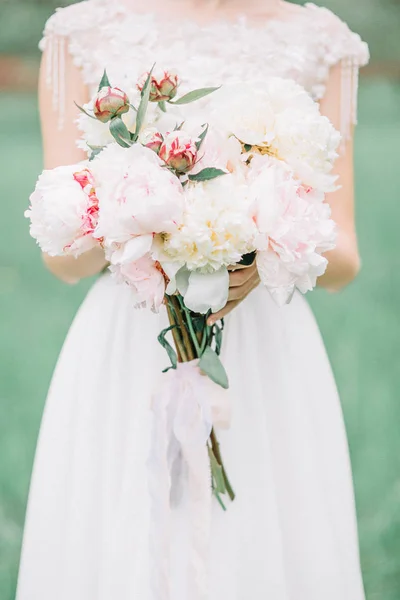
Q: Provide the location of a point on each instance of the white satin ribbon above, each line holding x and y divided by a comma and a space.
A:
185, 408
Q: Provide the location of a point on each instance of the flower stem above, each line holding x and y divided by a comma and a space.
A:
187, 342
180, 349
190, 326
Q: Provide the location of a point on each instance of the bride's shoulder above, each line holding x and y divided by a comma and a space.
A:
337, 41
79, 17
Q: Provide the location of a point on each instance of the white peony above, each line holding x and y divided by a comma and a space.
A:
294, 225
138, 197
308, 143
279, 114
244, 112
217, 151
63, 211
216, 229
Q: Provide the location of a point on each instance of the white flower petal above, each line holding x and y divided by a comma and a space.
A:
207, 291
132, 250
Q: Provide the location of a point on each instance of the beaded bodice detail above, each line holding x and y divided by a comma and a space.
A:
103, 34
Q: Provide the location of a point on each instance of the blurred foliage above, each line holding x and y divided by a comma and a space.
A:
377, 21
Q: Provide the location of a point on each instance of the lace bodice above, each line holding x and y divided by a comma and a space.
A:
105, 34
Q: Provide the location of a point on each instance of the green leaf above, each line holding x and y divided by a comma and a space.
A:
167, 346
120, 132
195, 95
247, 147
105, 82
144, 102
162, 106
202, 136
85, 112
207, 174
247, 259
211, 365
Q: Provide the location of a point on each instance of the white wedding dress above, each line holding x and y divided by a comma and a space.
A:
291, 532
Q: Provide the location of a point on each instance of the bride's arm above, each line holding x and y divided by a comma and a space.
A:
59, 148
344, 260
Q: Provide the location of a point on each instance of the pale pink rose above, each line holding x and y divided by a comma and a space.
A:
179, 151
164, 85
110, 102
146, 280
64, 211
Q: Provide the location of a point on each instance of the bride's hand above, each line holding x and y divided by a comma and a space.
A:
242, 281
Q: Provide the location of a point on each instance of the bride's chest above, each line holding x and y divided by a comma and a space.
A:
202, 56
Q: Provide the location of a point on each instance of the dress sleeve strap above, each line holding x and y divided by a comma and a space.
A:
339, 45
55, 46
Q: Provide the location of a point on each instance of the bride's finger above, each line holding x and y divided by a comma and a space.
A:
238, 278
230, 305
240, 292
239, 267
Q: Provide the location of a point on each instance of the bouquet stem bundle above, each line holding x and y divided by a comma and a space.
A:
194, 339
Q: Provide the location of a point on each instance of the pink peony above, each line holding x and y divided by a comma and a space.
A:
138, 197
146, 280
294, 225
110, 102
64, 211
179, 151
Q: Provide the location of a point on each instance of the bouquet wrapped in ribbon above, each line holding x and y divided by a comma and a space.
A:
176, 196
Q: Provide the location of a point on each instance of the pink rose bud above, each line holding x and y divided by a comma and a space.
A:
179, 151
163, 86
151, 138
110, 102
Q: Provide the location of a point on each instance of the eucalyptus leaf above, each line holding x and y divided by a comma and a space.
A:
202, 137
120, 132
144, 102
207, 174
167, 346
105, 82
195, 95
212, 366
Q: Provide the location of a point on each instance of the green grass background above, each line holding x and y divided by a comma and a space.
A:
361, 327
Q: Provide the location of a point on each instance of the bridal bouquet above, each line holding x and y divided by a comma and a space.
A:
177, 196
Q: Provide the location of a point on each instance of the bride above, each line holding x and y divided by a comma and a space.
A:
291, 532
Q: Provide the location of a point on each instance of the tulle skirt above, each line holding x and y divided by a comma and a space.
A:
291, 532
